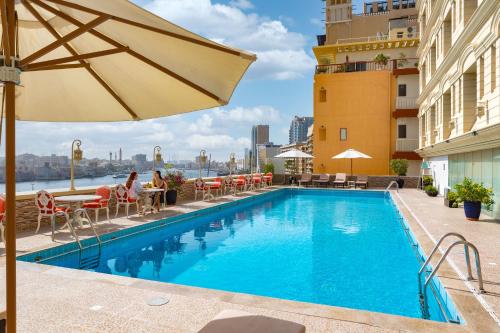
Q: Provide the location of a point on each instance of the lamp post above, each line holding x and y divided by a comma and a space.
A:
156, 156
232, 162
202, 160
76, 155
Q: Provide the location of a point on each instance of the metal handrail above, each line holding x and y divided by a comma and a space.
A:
70, 227
84, 212
390, 184
423, 293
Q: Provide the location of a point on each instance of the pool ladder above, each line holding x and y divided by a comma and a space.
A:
80, 211
462, 241
390, 185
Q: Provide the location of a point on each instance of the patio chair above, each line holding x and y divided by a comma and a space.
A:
257, 180
2, 217
199, 186
268, 179
361, 181
103, 203
324, 179
249, 183
123, 199
218, 188
305, 179
229, 184
240, 183
46, 205
340, 179
243, 322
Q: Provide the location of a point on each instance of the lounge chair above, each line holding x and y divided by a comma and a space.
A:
305, 179
340, 179
229, 321
361, 181
324, 179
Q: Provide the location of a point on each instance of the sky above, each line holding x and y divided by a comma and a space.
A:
277, 86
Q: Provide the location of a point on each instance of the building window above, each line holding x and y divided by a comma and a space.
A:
343, 134
322, 95
395, 4
402, 90
401, 131
322, 133
493, 66
399, 34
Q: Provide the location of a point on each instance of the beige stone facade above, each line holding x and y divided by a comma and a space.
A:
459, 110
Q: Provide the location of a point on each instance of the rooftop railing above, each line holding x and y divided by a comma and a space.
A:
366, 66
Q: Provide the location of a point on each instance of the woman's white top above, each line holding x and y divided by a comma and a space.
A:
136, 189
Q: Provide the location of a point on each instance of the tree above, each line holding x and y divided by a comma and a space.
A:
268, 167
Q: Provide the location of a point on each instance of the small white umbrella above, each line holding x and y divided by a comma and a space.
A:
294, 153
351, 153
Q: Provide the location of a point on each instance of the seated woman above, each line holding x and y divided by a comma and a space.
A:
158, 182
135, 191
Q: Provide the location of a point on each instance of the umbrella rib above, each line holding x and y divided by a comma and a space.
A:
132, 53
5, 39
157, 30
72, 35
83, 56
92, 72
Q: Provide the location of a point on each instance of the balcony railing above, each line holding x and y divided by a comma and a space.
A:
366, 66
406, 144
406, 103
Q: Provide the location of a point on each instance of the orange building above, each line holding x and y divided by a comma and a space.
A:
365, 90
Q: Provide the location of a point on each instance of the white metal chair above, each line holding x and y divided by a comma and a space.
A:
200, 186
47, 207
123, 199
230, 185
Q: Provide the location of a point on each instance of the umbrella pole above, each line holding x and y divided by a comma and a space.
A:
351, 167
10, 175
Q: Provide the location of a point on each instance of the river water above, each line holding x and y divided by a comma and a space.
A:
83, 182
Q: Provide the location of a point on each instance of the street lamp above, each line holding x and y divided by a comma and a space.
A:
76, 155
156, 155
232, 162
202, 160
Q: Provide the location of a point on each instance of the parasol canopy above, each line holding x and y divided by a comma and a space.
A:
100, 60
294, 153
350, 154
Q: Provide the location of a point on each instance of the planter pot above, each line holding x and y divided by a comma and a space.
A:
472, 210
431, 194
401, 182
449, 203
171, 197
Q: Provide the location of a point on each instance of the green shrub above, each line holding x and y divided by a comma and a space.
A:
452, 196
427, 180
471, 191
269, 167
399, 166
431, 190
381, 59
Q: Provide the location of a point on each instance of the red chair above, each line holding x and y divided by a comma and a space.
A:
103, 203
257, 180
240, 183
2, 217
123, 199
217, 187
268, 178
47, 208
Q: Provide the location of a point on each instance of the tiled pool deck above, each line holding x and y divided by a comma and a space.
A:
54, 299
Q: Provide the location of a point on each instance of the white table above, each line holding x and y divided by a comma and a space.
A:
209, 196
76, 201
149, 203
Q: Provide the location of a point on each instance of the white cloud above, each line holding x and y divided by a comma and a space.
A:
243, 4
220, 131
280, 52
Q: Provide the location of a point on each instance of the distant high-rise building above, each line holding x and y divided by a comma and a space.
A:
246, 160
298, 129
260, 135
110, 157
120, 156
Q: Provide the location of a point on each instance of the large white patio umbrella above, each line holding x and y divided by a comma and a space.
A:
100, 60
351, 154
295, 154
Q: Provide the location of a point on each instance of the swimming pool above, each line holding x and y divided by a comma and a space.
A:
343, 248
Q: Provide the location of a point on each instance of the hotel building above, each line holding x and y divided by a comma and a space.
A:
366, 87
459, 111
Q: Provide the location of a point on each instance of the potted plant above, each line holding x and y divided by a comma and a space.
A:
427, 180
174, 180
381, 59
431, 190
402, 61
399, 167
450, 199
473, 195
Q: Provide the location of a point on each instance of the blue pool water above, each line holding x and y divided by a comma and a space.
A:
340, 248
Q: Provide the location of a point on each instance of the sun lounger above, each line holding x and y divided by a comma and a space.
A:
361, 181
324, 179
235, 321
305, 179
340, 180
